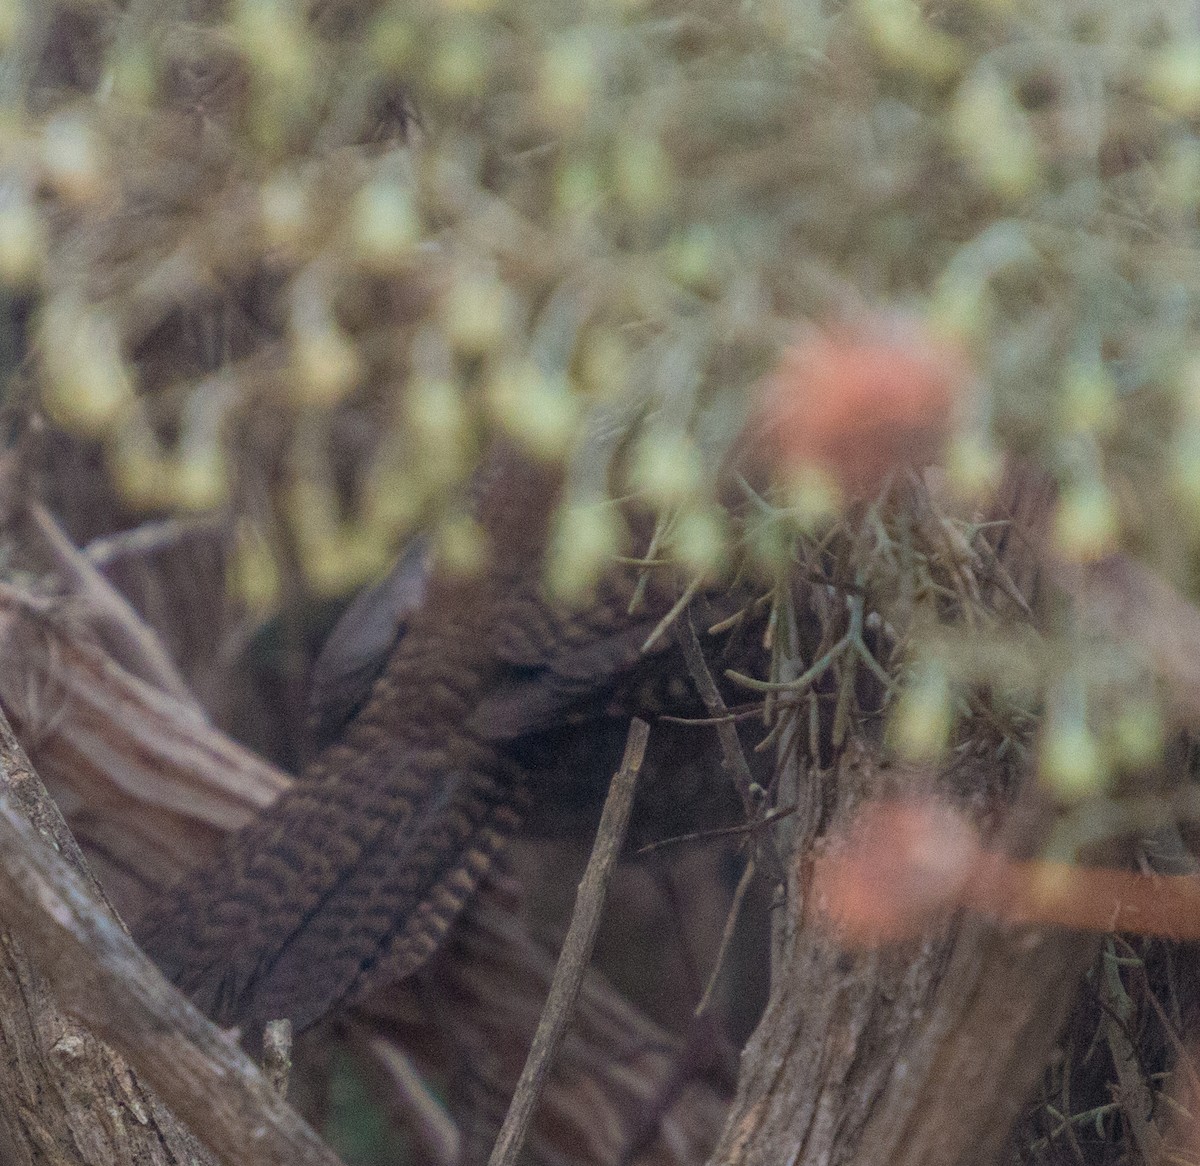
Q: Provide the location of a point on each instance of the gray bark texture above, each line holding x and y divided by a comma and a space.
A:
88, 1020
915, 1054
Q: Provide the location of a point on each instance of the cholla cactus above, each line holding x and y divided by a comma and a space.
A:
322, 253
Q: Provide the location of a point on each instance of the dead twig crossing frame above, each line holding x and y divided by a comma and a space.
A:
576, 951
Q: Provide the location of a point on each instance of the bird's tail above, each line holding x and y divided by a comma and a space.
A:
348, 884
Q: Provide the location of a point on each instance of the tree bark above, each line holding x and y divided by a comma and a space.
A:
915, 1054
68, 1097
61, 926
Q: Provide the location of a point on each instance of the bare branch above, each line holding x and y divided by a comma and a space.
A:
731, 746
735, 910
577, 949
126, 636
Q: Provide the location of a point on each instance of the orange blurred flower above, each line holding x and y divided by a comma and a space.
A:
901, 865
858, 402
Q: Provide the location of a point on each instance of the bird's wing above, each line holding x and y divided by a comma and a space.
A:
361, 642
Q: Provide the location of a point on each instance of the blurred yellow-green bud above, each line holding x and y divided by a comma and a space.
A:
439, 424
920, 727
271, 34
435, 411
10, 21
699, 542
539, 411
585, 541
568, 80
769, 541
811, 495
326, 365
693, 258
22, 243
1185, 469
604, 364
393, 504
1138, 734
267, 125
1172, 78
253, 572
993, 135
461, 547
477, 313
905, 41
143, 475
666, 468
71, 158
87, 384
960, 309
15, 138
1086, 525
284, 207
1179, 180
142, 472
1188, 388
386, 225
459, 64
974, 466
200, 480
1089, 398
578, 188
344, 561
1070, 761
391, 44
131, 74
642, 173
470, 6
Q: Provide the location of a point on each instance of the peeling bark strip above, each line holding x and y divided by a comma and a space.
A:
148, 785
84, 957
916, 1054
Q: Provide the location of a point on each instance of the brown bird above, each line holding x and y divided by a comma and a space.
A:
351, 879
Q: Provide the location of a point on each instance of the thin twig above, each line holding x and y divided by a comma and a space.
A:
664, 625
802, 683
735, 910
735, 715
752, 795
577, 949
146, 539
731, 745
131, 643
416, 1110
719, 832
